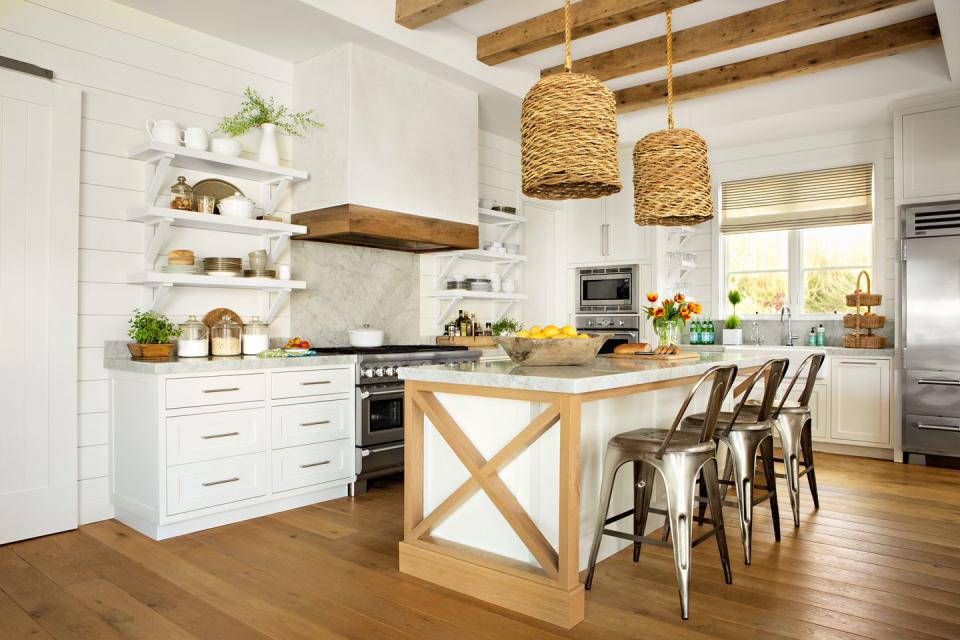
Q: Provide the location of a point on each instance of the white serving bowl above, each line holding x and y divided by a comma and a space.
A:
366, 338
226, 146
236, 206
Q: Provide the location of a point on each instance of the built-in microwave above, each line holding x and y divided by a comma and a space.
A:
607, 289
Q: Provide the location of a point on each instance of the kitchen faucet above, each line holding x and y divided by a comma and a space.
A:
791, 339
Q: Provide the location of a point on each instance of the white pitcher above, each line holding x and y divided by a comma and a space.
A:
165, 131
194, 138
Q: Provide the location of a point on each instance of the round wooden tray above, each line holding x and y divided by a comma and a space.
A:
215, 315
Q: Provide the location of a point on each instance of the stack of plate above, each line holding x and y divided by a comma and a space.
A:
479, 284
223, 266
259, 273
180, 268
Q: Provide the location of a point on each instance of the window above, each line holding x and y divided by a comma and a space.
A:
797, 240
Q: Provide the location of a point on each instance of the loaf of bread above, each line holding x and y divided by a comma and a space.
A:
632, 347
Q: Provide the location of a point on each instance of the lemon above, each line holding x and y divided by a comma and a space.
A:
537, 336
535, 329
583, 336
567, 330
550, 331
550, 327
523, 334
559, 336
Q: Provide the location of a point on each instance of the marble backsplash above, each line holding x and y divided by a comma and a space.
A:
348, 287
774, 332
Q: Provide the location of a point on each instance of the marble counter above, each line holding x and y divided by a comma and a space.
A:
238, 363
830, 351
601, 374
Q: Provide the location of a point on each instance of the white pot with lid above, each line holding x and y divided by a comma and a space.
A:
366, 337
236, 206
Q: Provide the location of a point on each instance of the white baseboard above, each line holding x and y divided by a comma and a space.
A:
95, 510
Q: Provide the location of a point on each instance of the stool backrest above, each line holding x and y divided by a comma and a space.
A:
812, 363
773, 372
723, 377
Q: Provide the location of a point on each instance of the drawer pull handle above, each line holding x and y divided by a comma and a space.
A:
938, 427
216, 482
860, 364
313, 382
225, 389
314, 424
939, 382
314, 464
220, 435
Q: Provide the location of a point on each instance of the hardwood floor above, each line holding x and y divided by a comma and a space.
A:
880, 559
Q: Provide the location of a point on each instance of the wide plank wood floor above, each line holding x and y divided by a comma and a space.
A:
880, 559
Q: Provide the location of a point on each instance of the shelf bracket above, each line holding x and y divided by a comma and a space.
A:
159, 296
279, 246
160, 230
510, 267
450, 305
503, 312
508, 228
281, 185
270, 311
447, 268
161, 162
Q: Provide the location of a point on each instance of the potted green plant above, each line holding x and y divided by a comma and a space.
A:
151, 333
265, 113
732, 333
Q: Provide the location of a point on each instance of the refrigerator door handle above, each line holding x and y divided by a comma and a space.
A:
939, 382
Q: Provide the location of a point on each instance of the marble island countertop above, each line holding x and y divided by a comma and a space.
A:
213, 363
829, 350
603, 373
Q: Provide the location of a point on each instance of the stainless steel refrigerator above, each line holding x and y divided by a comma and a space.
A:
930, 330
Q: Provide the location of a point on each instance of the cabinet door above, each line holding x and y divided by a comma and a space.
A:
626, 240
931, 161
860, 399
585, 231
820, 412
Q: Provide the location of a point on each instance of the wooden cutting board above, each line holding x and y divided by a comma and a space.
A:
683, 355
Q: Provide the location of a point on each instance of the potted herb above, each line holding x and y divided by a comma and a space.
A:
265, 113
670, 317
732, 333
506, 327
151, 333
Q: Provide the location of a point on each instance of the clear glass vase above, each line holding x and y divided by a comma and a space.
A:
668, 334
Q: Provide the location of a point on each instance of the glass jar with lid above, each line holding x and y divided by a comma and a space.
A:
194, 341
181, 195
225, 337
255, 337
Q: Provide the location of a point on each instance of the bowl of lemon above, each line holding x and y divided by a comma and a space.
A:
551, 346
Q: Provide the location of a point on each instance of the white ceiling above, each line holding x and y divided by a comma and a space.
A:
843, 98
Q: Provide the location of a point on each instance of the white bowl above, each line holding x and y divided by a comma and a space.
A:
366, 338
226, 146
486, 203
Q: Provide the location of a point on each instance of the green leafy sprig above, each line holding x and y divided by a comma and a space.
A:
257, 110
505, 326
147, 327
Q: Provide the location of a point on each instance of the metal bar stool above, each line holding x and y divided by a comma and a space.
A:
794, 423
747, 431
679, 458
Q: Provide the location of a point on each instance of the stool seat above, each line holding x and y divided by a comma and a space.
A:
649, 440
746, 421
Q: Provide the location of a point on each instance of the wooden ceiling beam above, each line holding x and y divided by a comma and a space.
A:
546, 30
749, 27
416, 13
859, 47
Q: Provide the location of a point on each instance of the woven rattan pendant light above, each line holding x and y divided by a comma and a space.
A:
568, 135
671, 177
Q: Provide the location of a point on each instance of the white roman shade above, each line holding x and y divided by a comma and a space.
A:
828, 197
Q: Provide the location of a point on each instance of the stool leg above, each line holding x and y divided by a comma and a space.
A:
789, 428
644, 476
709, 479
679, 475
742, 451
701, 504
612, 461
806, 443
766, 456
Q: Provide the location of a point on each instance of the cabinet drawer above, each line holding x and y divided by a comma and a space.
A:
210, 436
215, 482
197, 392
315, 382
931, 434
312, 464
932, 393
311, 422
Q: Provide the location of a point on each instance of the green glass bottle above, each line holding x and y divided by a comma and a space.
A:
695, 332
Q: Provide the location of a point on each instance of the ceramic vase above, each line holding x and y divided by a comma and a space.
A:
733, 336
268, 144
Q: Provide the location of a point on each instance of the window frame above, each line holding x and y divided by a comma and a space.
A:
759, 167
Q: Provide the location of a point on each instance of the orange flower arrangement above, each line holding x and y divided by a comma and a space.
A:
674, 310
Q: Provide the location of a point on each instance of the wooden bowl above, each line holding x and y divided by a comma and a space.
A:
545, 353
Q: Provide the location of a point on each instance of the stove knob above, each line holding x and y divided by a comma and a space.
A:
620, 323
379, 373
589, 323
367, 372
391, 371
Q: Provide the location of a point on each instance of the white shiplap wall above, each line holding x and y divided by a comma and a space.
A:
132, 66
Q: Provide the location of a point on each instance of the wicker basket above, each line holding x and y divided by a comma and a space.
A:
671, 179
568, 139
864, 341
854, 320
860, 299
859, 321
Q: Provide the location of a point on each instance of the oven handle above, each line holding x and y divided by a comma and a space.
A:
365, 452
367, 394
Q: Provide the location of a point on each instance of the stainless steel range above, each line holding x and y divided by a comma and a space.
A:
379, 413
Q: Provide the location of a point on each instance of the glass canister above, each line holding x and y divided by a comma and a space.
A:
194, 341
181, 195
225, 337
255, 337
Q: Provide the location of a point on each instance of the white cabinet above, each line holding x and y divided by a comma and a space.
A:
586, 231
927, 149
860, 400
626, 240
603, 230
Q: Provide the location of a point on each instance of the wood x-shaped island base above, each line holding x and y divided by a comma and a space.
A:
448, 536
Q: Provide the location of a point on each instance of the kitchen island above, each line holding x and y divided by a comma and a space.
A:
498, 456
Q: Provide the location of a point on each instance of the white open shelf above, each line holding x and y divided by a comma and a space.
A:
461, 294
159, 278
215, 163
211, 222
489, 216
480, 255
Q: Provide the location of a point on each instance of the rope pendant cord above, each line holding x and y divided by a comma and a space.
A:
669, 68
567, 36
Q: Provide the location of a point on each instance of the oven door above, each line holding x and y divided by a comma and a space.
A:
379, 414
614, 338
606, 290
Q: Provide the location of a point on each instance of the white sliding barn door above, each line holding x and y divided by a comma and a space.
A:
39, 221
